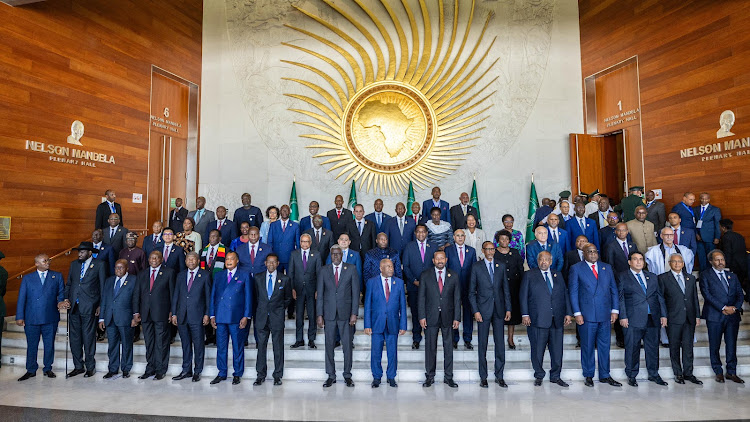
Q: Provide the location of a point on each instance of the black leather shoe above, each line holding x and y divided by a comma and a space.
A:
455, 345
277, 381
349, 382
109, 375
159, 377
468, 345
578, 344
483, 384
735, 378
537, 382
217, 380
297, 345
501, 382
450, 383
375, 384
632, 382
196, 377
126, 374
182, 376
392, 382
337, 345
679, 380
235, 380
311, 345
588, 382
720, 378
664, 345
89, 374
146, 376
415, 345
657, 379
428, 382
561, 383
27, 376
694, 380
610, 381
259, 381
100, 337
329, 382
621, 344
50, 374
75, 372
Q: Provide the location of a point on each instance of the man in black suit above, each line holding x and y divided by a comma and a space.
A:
683, 315
106, 208
114, 235
177, 216
337, 310
117, 317
190, 302
655, 211
735, 251
247, 213
274, 292
225, 226
322, 238
439, 305
573, 257
416, 215
82, 297
642, 312
304, 266
600, 215
489, 298
361, 232
153, 241
617, 253
339, 217
152, 303
172, 255
459, 212
103, 252
545, 308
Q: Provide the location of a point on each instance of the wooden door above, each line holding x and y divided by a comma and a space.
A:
598, 162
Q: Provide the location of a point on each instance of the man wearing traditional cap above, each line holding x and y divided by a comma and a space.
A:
135, 256
564, 197
628, 204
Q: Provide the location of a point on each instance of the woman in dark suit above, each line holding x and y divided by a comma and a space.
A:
513, 261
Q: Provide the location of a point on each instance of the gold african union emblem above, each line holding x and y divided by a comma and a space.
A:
406, 115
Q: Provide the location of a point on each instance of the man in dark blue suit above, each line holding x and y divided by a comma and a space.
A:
429, 204
545, 309
642, 313
707, 226
685, 210
400, 229
306, 223
231, 310
116, 316
348, 255
580, 225
489, 296
42, 293
558, 234
378, 217
253, 254
416, 216
722, 308
173, 255
616, 254
225, 226
682, 235
541, 243
191, 301
460, 258
103, 252
247, 212
154, 241
82, 297
385, 320
283, 236
417, 259
594, 299
273, 292
607, 233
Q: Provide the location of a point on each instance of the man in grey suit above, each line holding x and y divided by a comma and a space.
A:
655, 211
202, 217
116, 317
439, 305
322, 238
303, 270
273, 292
337, 309
489, 297
114, 235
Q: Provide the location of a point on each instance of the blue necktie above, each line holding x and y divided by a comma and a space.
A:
43, 276
726, 283
83, 270
270, 285
549, 282
118, 285
492, 270
112, 208
643, 286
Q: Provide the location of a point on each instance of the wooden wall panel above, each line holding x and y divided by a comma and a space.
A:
692, 58
87, 60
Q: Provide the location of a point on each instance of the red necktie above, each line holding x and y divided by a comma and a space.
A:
336, 275
593, 268
283, 226
166, 253
676, 238
387, 290
252, 254
416, 219
440, 281
338, 212
190, 282
153, 277
210, 257
461, 255
218, 225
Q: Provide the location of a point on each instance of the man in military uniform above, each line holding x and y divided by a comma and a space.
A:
628, 204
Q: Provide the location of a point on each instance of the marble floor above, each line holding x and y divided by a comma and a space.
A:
298, 400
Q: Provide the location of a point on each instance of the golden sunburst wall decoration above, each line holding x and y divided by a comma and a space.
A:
402, 115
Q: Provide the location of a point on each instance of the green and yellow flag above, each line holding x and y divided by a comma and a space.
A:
353, 196
533, 205
474, 202
294, 215
410, 199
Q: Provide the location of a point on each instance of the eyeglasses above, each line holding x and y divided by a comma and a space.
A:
488, 249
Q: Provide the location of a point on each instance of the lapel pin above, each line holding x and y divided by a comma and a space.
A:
497, 265
260, 249
160, 272
554, 275
53, 276
199, 275
92, 266
449, 274
236, 278
344, 266
132, 262
279, 281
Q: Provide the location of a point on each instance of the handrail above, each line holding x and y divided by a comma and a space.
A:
66, 252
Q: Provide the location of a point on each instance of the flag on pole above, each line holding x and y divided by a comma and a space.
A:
474, 202
533, 205
294, 215
410, 198
353, 196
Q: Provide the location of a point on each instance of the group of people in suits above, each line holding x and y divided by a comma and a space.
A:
591, 268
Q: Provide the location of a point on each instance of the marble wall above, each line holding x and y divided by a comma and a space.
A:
249, 142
